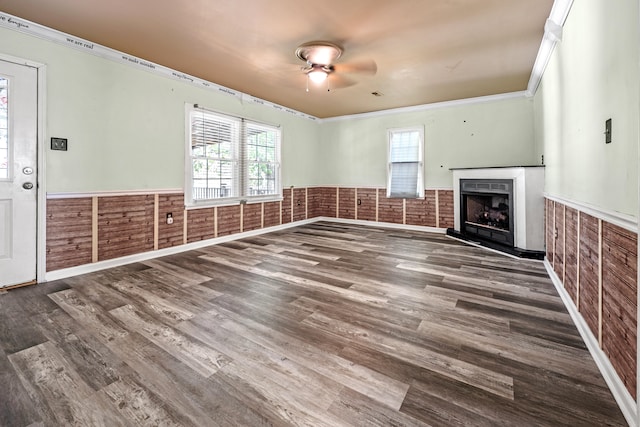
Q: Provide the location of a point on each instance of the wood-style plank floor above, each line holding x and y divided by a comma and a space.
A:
323, 325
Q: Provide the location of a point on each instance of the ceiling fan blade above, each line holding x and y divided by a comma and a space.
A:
366, 66
337, 81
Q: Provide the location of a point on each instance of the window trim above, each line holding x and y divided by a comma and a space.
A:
420, 184
190, 203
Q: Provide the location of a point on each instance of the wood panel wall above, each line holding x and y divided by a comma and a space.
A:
272, 213
366, 204
125, 225
228, 220
322, 201
558, 260
619, 301
299, 204
549, 215
598, 261
589, 256
423, 211
445, 208
173, 234
571, 253
90, 229
69, 233
201, 224
390, 209
347, 203
287, 207
251, 217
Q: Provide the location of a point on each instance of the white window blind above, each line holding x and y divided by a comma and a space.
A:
405, 166
231, 159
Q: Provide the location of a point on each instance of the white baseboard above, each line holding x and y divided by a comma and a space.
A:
624, 399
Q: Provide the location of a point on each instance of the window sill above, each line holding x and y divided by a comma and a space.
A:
231, 201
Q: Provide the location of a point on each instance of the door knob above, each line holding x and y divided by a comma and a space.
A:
27, 185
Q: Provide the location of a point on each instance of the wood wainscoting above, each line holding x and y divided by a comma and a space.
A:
597, 262
84, 230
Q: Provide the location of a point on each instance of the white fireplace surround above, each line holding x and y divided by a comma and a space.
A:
528, 200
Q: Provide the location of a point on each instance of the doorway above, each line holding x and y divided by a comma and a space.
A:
18, 174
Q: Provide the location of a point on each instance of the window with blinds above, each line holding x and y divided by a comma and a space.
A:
231, 159
405, 165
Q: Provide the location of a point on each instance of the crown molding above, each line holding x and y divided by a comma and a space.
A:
426, 107
40, 31
552, 36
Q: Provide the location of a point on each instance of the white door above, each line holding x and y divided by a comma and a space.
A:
18, 173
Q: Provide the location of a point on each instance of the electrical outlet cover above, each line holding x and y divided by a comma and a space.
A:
59, 144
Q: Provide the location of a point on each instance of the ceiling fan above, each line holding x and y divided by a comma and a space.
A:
320, 56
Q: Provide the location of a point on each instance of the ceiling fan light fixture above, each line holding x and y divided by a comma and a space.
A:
317, 75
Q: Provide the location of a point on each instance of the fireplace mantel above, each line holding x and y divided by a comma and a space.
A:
528, 201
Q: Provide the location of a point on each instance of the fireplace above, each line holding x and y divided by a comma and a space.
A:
500, 207
487, 209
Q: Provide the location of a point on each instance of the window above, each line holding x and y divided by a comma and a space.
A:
405, 167
231, 159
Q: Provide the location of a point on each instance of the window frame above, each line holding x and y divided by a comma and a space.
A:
240, 174
420, 177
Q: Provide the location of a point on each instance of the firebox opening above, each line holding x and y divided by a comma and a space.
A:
486, 210
490, 211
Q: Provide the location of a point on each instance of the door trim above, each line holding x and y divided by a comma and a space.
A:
41, 232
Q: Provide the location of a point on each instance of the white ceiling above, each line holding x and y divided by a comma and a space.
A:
426, 51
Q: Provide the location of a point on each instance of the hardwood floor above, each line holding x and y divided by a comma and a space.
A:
325, 324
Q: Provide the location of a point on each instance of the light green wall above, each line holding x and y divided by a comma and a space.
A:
126, 127
490, 133
592, 76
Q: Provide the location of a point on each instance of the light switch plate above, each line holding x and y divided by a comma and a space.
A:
59, 144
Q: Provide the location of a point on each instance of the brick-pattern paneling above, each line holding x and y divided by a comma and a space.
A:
69, 232
571, 253
390, 209
445, 204
589, 271
366, 208
252, 217
299, 204
314, 202
228, 220
597, 263
422, 211
287, 194
271, 214
328, 198
200, 224
321, 202
549, 215
170, 234
347, 205
619, 301
125, 225
558, 260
